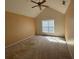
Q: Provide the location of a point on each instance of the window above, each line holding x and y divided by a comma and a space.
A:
48, 26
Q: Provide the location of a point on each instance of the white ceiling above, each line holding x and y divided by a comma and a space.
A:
23, 7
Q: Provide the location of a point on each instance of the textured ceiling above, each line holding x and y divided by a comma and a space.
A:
23, 7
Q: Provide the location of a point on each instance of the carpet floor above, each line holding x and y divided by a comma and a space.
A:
39, 47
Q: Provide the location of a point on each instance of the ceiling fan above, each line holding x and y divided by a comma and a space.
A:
39, 4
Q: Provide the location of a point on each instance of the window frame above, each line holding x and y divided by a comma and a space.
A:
48, 31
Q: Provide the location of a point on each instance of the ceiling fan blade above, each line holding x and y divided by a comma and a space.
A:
34, 6
43, 1
40, 7
45, 6
34, 1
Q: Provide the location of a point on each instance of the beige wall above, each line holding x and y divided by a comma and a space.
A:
18, 27
49, 13
69, 28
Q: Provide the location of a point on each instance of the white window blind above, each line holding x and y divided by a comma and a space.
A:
48, 26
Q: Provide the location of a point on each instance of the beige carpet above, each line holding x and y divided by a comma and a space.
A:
39, 47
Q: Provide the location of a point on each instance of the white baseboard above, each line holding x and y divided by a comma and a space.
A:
19, 41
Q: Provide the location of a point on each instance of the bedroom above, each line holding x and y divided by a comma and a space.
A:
34, 33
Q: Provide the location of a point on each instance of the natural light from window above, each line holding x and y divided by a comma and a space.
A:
55, 39
48, 26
